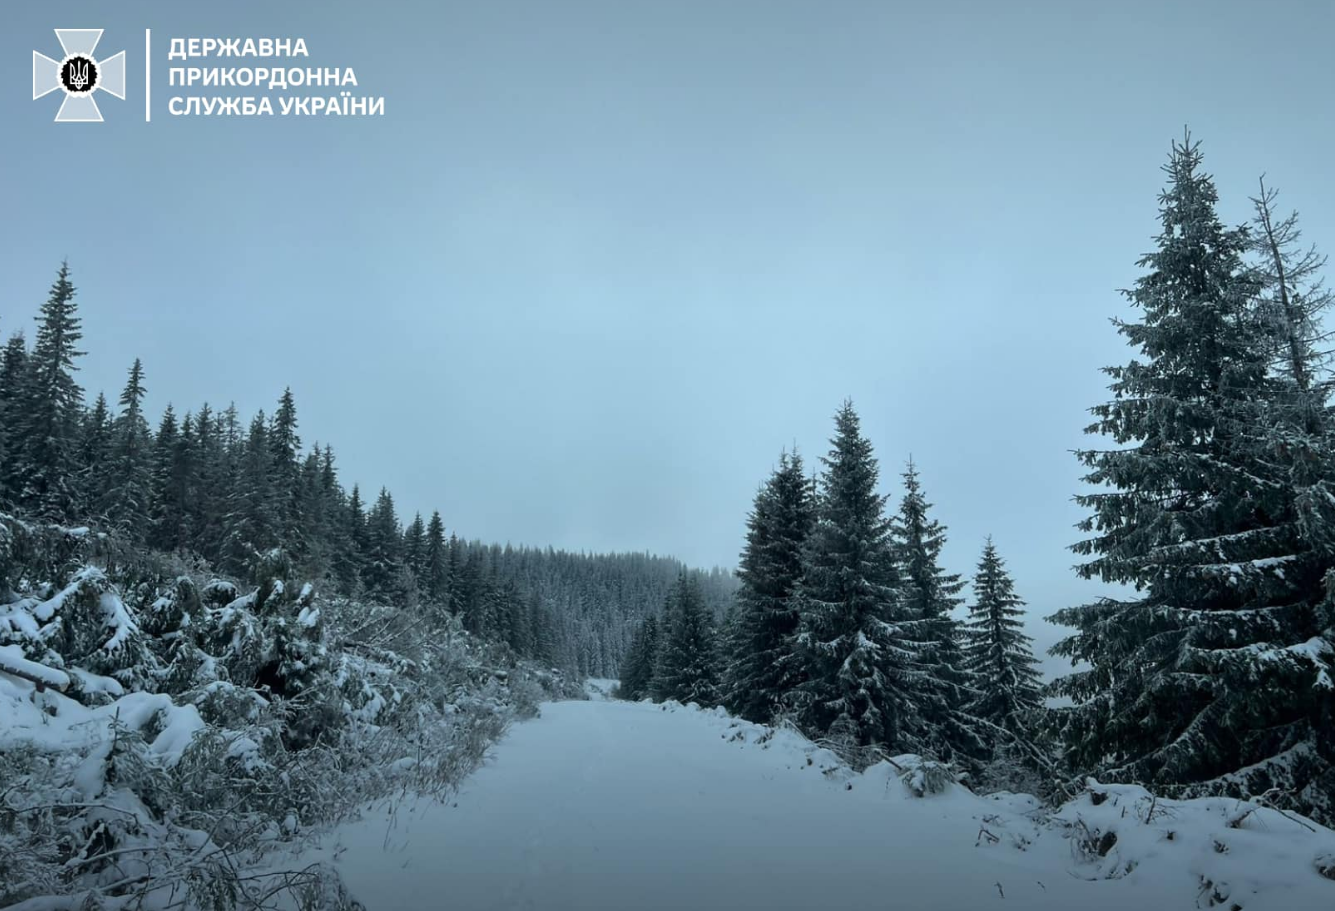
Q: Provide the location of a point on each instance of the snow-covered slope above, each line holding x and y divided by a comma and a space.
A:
613, 805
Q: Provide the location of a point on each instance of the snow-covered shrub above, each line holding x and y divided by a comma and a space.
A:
924, 777
169, 731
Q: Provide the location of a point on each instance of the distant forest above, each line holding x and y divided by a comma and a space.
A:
218, 492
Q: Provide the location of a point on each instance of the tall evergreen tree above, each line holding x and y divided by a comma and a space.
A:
253, 520
349, 557
1211, 679
686, 668
764, 670
999, 654
171, 483
637, 669
126, 503
13, 378
52, 404
435, 561
383, 568
414, 546
862, 675
454, 573
94, 454
285, 449
928, 595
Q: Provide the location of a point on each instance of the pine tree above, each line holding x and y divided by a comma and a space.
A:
435, 561
51, 408
862, 678
94, 453
285, 447
764, 671
312, 510
454, 574
928, 595
382, 569
349, 557
999, 655
219, 460
253, 519
171, 483
469, 588
637, 669
126, 503
414, 546
1210, 679
685, 669
13, 378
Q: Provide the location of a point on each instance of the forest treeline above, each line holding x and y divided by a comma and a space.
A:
1210, 669
220, 492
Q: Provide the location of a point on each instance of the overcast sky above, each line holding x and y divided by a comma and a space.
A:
601, 261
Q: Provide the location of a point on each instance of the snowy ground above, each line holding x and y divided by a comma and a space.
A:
610, 805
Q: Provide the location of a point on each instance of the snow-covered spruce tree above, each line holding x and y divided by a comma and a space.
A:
637, 668
686, 667
1215, 676
414, 548
383, 572
999, 656
126, 502
763, 669
50, 408
94, 452
13, 374
173, 483
928, 595
284, 448
861, 667
252, 516
435, 562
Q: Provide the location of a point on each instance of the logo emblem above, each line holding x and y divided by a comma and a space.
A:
79, 75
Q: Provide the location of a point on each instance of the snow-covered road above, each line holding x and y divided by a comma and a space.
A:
619, 806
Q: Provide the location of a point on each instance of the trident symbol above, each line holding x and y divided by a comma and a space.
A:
79, 75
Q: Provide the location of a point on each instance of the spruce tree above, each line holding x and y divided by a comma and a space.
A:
454, 575
764, 671
382, 567
171, 483
94, 453
414, 546
435, 561
51, 406
637, 668
349, 556
126, 502
253, 517
13, 378
861, 664
1212, 677
928, 595
686, 669
999, 654
285, 447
